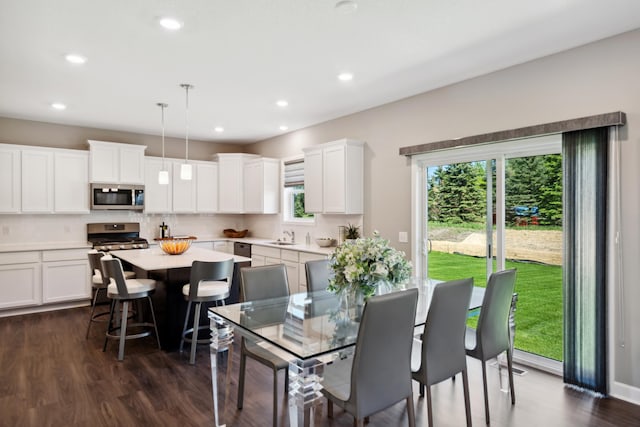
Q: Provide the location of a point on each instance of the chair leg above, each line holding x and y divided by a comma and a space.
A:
194, 334
467, 402
243, 364
329, 408
411, 411
429, 408
275, 398
286, 381
93, 309
510, 367
155, 324
486, 397
123, 329
184, 328
106, 335
421, 389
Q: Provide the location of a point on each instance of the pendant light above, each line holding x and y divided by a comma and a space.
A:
185, 168
163, 175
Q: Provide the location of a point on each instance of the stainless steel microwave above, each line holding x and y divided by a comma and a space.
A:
117, 197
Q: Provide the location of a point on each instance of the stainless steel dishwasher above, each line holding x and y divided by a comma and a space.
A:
241, 249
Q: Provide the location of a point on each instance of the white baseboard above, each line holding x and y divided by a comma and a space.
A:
41, 308
625, 392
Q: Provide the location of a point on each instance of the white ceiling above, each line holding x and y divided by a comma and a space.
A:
243, 55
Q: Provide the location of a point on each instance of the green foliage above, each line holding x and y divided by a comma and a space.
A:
298, 207
457, 193
539, 288
352, 231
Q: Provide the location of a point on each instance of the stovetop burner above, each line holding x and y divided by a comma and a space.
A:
115, 236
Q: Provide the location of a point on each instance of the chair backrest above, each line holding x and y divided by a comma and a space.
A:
112, 271
267, 281
492, 333
96, 266
443, 351
381, 370
205, 271
318, 273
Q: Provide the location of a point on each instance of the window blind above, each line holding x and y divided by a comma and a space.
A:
294, 173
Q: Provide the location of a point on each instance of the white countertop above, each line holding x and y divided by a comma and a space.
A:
43, 246
155, 259
300, 247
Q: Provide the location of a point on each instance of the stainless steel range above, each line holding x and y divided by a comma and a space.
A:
115, 236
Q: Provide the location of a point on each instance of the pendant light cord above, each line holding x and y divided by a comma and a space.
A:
186, 87
162, 106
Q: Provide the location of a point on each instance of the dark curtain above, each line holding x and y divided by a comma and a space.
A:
584, 156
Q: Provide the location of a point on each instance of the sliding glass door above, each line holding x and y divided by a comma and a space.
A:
489, 208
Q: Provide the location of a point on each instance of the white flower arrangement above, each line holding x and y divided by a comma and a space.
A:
364, 264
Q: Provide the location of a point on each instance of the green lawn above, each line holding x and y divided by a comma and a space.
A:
539, 288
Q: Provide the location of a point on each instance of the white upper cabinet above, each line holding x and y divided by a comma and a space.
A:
37, 181
157, 197
206, 174
10, 180
262, 186
334, 177
112, 162
198, 195
71, 181
184, 191
231, 181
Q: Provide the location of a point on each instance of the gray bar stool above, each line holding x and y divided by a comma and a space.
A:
121, 290
209, 282
99, 284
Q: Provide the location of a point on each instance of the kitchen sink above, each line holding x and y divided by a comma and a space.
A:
280, 243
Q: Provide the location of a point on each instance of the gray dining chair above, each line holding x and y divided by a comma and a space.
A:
208, 282
124, 291
379, 374
441, 351
492, 334
99, 285
257, 283
318, 273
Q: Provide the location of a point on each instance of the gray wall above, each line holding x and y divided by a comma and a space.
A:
593, 79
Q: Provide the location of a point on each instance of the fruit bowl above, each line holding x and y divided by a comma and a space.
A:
325, 242
175, 245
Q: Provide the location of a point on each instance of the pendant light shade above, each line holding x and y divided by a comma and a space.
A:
185, 169
163, 175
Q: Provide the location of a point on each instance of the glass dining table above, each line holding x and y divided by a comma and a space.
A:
309, 330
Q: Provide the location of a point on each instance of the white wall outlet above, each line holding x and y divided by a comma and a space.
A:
403, 237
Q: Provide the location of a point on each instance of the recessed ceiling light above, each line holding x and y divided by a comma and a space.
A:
346, 6
345, 77
171, 24
219, 129
283, 127
282, 103
74, 58
58, 106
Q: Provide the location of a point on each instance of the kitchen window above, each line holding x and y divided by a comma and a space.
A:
293, 193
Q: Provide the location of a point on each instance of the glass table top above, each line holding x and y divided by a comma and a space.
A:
309, 325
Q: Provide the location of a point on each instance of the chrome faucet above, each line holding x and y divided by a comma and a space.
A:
291, 234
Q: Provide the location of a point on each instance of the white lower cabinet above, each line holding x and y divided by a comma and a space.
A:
292, 259
34, 278
65, 276
20, 281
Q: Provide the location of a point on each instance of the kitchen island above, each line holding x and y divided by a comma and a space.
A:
172, 273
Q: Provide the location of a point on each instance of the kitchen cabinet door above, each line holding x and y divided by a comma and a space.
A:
206, 187
184, 191
292, 276
65, 281
262, 186
71, 181
10, 186
37, 181
157, 197
20, 279
313, 180
231, 181
113, 162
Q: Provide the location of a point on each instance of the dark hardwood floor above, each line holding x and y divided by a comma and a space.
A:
51, 376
